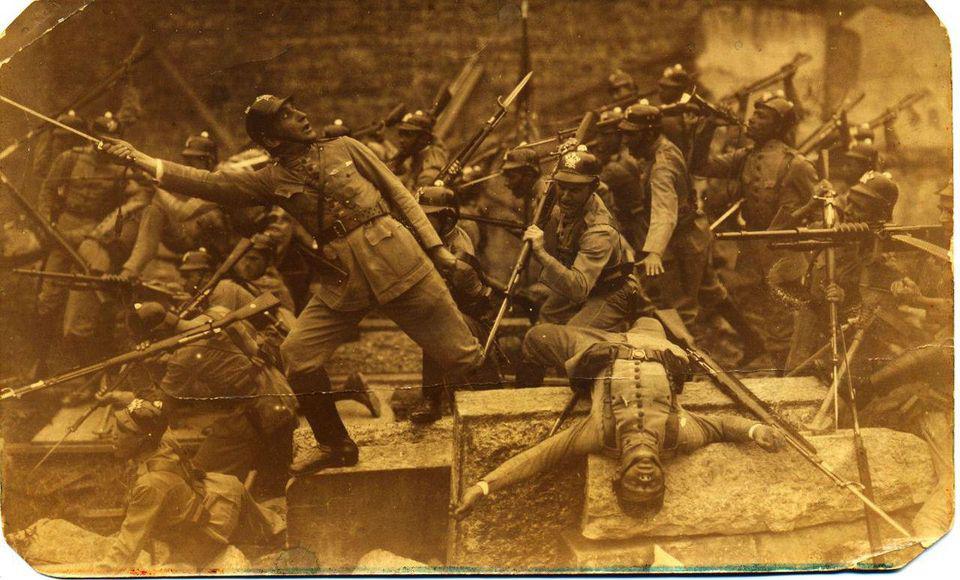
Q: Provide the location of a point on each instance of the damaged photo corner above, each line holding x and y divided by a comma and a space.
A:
476, 287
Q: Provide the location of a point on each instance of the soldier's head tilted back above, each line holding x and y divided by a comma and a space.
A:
273, 121
774, 117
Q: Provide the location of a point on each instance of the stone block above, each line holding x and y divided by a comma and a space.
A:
396, 499
383, 562
741, 489
519, 529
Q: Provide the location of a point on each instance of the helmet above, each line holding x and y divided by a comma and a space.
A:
416, 121
675, 77
784, 108
72, 120
143, 417
641, 116
336, 129
521, 157
106, 125
878, 189
863, 151
610, 120
200, 146
578, 167
619, 80
260, 115
196, 260
435, 199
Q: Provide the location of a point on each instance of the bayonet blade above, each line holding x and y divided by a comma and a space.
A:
505, 103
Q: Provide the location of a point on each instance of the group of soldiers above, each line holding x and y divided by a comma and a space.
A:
337, 228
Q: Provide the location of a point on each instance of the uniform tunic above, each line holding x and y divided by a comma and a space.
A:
565, 346
423, 167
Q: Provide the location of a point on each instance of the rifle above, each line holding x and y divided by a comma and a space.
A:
742, 395
261, 304
136, 54
455, 165
842, 233
894, 111
46, 227
104, 282
393, 117
767, 81
693, 98
540, 217
825, 132
239, 251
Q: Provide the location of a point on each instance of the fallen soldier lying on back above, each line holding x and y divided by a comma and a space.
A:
635, 416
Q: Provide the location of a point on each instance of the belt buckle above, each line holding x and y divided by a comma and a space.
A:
339, 228
639, 354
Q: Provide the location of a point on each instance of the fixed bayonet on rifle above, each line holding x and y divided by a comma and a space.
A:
828, 129
393, 117
104, 282
742, 395
261, 304
46, 228
455, 165
769, 80
239, 251
843, 232
894, 111
540, 217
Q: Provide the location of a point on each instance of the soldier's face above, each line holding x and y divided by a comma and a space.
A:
192, 279
608, 142
643, 478
519, 182
669, 95
293, 125
574, 195
252, 266
125, 444
640, 143
764, 125
409, 140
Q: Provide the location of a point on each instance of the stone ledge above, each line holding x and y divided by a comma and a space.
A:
762, 491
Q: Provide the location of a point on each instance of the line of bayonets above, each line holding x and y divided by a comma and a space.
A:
723, 379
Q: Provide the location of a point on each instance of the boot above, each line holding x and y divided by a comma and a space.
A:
753, 346
318, 406
357, 389
428, 410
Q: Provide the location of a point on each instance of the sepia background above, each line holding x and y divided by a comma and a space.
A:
355, 60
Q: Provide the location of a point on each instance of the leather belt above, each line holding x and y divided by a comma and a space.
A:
678, 370
343, 226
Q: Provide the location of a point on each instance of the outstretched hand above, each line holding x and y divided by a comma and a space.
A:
471, 497
769, 439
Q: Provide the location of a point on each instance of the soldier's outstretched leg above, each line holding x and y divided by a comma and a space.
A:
316, 334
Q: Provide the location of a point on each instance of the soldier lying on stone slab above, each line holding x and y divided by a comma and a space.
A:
198, 514
635, 416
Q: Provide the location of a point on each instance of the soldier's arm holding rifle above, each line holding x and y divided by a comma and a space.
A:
575, 282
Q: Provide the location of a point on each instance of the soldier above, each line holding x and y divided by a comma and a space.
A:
621, 85
343, 195
621, 173
198, 514
675, 232
777, 185
471, 294
521, 172
635, 417
172, 225
587, 264
858, 265
421, 155
681, 124
257, 271
79, 195
857, 160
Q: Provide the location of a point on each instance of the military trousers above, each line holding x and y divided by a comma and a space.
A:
612, 309
425, 312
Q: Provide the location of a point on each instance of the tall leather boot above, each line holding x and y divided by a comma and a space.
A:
318, 406
753, 346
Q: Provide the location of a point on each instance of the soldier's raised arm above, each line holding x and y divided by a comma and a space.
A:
230, 188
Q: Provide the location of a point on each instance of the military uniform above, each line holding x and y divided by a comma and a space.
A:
423, 167
343, 195
197, 514
589, 270
79, 195
634, 404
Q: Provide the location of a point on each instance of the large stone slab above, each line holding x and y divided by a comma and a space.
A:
520, 529
739, 489
395, 499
